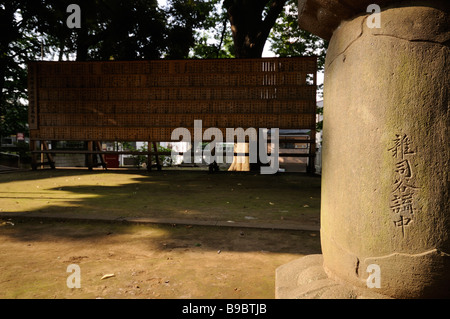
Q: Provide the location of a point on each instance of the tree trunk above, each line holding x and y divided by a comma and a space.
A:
9, 34
83, 39
251, 22
240, 163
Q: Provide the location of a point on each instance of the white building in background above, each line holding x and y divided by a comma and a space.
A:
318, 160
319, 117
177, 147
182, 147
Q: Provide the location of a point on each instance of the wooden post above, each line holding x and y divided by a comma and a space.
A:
51, 162
102, 156
41, 147
33, 155
155, 148
213, 167
256, 167
89, 158
312, 153
149, 157
312, 144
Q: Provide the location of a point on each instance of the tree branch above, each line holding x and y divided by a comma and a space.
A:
272, 15
222, 36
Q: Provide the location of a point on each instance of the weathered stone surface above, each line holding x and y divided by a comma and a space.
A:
322, 17
305, 278
383, 202
385, 164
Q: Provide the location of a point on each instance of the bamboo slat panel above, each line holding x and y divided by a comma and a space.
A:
147, 100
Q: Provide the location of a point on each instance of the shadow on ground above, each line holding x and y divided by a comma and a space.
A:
163, 237
280, 199
52, 219
144, 261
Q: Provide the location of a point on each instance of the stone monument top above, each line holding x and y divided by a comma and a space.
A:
384, 212
322, 17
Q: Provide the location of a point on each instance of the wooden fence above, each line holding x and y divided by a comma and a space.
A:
147, 100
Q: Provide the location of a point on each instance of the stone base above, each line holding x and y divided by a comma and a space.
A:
305, 278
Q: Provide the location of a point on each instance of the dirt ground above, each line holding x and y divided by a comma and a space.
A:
49, 219
144, 261
281, 199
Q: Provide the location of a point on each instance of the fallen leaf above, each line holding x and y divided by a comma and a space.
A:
107, 276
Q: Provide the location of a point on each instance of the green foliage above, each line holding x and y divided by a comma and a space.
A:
122, 30
204, 49
185, 18
288, 40
319, 124
251, 22
214, 40
18, 45
110, 29
139, 160
133, 30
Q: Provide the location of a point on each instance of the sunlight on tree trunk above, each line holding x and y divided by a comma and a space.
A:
251, 22
240, 163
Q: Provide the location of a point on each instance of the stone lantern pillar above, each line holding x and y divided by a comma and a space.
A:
385, 213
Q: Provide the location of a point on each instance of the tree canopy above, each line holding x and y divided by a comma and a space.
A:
288, 40
110, 29
133, 30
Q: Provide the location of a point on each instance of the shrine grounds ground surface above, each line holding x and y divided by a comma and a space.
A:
160, 234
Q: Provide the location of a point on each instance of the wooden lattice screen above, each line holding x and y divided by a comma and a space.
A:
147, 100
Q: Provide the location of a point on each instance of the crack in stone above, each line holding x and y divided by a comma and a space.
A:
428, 252
357, 267
412, 40
320, 291
351, 43
443, 43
